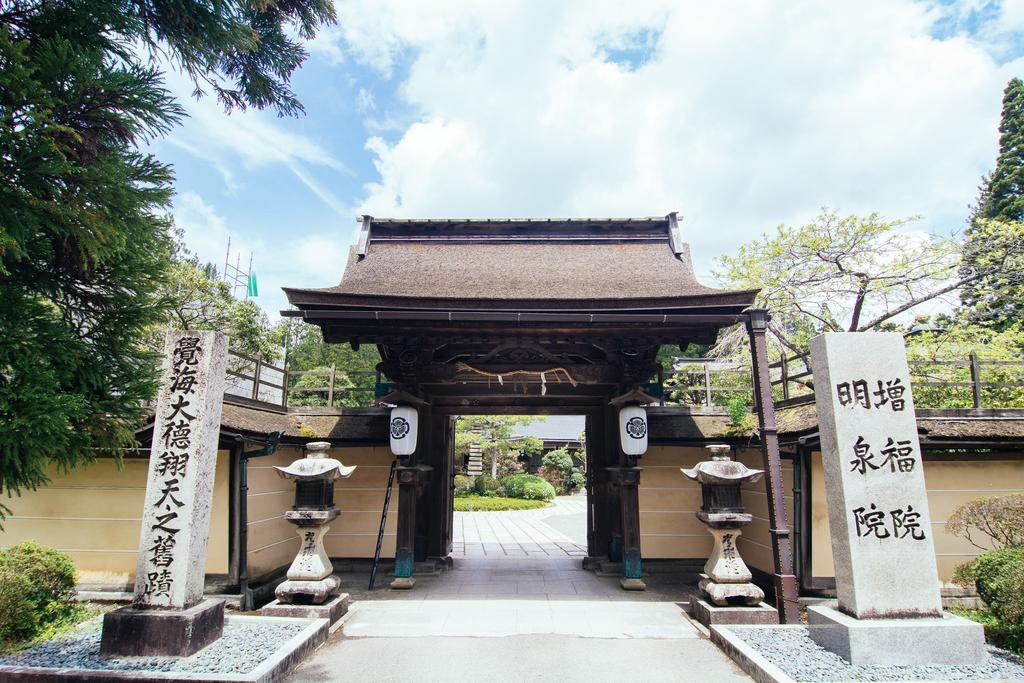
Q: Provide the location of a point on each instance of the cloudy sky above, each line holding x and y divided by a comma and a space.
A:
739, 115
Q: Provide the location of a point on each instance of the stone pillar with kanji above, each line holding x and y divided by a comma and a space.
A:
889, 608
168, 615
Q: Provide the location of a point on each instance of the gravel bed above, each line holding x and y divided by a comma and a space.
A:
793, 651
243, 647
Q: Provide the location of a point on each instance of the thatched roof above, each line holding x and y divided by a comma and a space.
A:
547, 265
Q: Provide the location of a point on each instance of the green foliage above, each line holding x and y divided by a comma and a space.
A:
1002, 634
840, 273
463, 485
494, 434
485, 484
320, 381
82, 249
84, 244
538, 490
37, 592
1002, 193
479, 504
1000, 519
560, 471
527, 486
308, 351
998, 576
994, 260
936, 349
199, 301
994, 250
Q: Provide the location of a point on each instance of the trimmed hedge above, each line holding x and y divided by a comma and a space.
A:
528, 487
486, 485
481, 504
37, 592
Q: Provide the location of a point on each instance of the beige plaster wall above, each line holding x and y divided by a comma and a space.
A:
949, 483
93, 513
273, 542
669, 501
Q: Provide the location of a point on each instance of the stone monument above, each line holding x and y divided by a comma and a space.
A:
889, 609
728, 596
168, 615
311, 579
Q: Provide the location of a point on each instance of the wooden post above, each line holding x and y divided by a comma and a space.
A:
628, 479
784, 367
256, 377
786, 593
976, 379
707, 385
330, 387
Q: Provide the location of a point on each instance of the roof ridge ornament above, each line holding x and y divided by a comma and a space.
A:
675, 233
363, 243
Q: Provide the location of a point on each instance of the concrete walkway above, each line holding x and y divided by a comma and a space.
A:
517, 605
559, 530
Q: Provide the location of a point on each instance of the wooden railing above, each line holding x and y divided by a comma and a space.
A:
331, 390
703, 382
254, 378
958, 383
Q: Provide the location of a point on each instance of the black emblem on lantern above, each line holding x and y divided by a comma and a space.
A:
399, 427
636, 427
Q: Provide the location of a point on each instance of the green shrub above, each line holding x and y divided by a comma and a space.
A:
485, 484
577, 480
463, 485
481, 504
999, 577
1000, 518
37, 591
513, 486
538, 490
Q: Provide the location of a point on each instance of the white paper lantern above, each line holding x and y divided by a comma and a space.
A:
404, 426
633, 430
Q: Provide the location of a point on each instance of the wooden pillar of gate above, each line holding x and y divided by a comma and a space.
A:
786, 593
412, 476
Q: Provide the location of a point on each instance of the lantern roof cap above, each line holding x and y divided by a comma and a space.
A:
632, 397
401, 397
316, 465
722, 472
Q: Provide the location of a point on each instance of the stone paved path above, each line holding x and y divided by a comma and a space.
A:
559, 530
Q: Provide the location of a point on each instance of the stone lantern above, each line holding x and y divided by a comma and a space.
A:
726, 580
310, 577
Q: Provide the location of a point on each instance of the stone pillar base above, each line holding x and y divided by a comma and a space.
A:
725, 594
332, 610
632, 584
135, 632
305, 592
710, 615
403, 583
913, 641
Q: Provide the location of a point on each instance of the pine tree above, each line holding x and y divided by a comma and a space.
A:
994, 248
84, 236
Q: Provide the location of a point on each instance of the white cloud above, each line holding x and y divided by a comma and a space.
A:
742, 118
289, 259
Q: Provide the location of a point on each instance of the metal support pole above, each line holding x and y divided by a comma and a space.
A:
786, 593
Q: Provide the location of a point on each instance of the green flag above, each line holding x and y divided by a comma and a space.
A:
253, 289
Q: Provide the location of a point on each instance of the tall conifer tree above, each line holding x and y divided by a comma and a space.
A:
994, 248
84, 244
